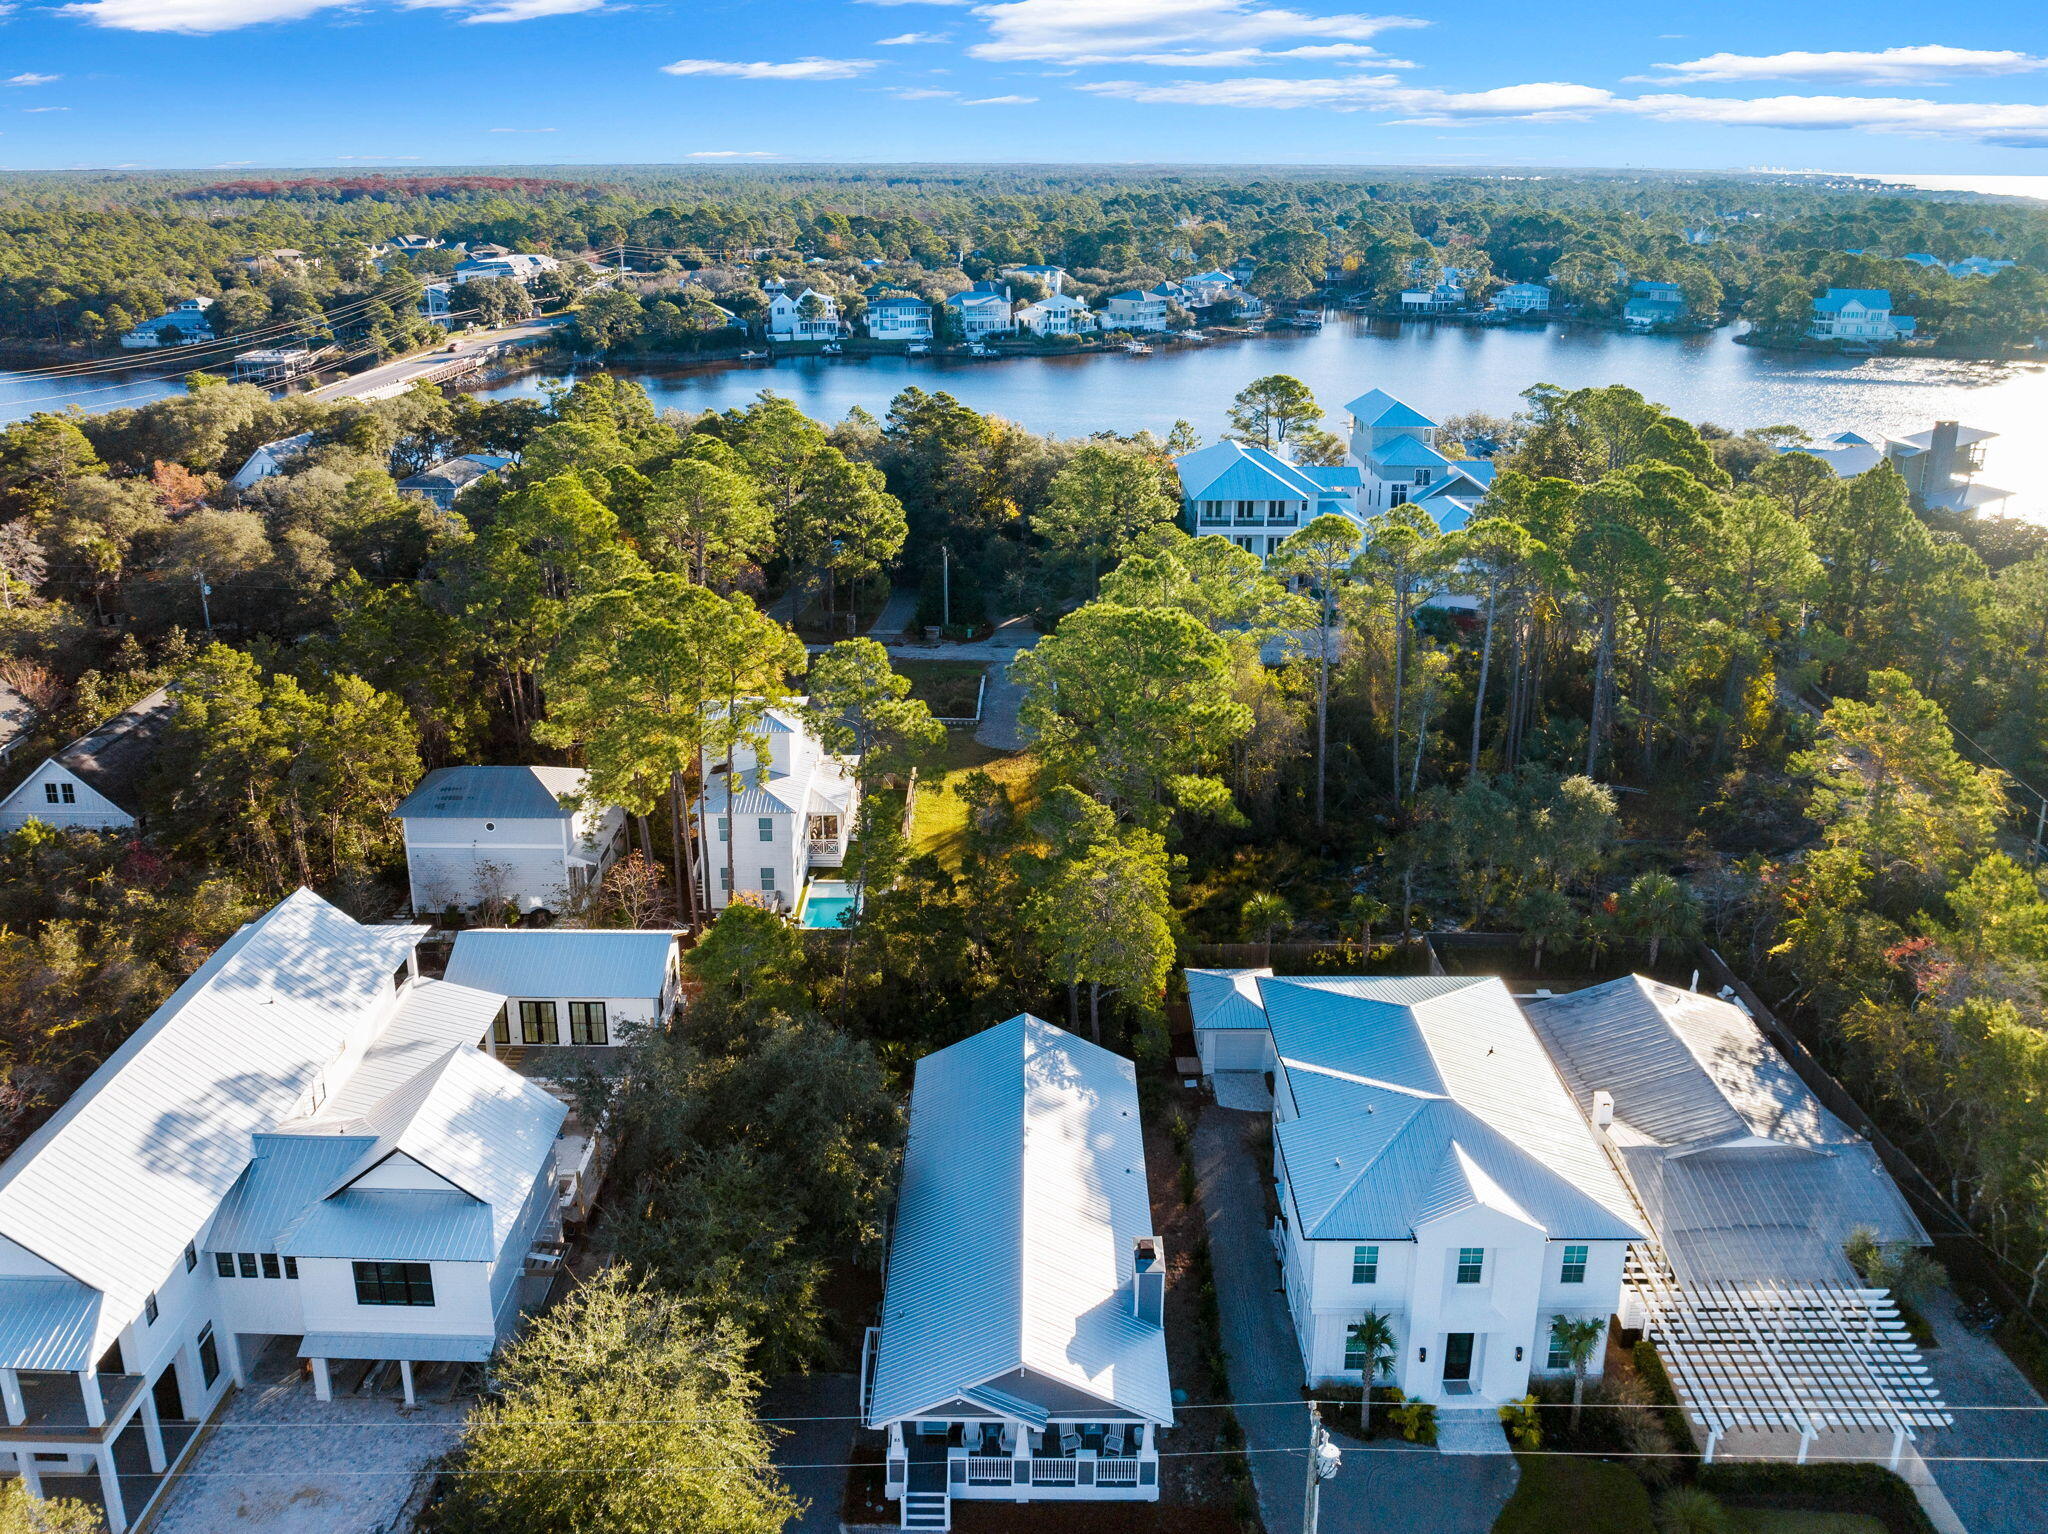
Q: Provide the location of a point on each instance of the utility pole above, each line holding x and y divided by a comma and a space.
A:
205, 607
1323, 1459
946, 590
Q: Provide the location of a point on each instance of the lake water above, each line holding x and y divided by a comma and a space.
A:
1441, 369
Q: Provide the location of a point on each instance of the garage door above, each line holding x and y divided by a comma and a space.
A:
1237, 1049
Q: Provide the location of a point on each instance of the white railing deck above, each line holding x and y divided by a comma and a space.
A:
1054, 1472
990, 1468
1116, 1472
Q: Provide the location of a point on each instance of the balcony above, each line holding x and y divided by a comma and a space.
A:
827, 852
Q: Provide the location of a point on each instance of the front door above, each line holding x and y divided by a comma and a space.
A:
1458, 1362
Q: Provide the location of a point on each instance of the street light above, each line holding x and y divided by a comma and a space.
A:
1324, 1458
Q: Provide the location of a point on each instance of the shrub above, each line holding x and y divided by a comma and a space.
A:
1519, 1418
1688, 1510
1859, 1488
1416, 1420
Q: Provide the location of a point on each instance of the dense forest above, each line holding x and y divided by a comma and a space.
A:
82, 257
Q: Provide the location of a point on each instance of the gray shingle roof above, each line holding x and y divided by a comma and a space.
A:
504, 793
113, 758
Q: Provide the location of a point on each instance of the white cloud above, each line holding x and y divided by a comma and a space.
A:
921, 93
793, 69
523, 130
2009, 125
46, 109
205, 16
1142, 31
34, 79
531, 10
1926, 64
1000, 101
1546, 102
733, 154
909, 39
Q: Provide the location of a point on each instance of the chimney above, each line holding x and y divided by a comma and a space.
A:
1603, 1111
1148, 1281
1939, 481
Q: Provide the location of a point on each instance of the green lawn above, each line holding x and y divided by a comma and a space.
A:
1592, 1496
940, 820
1761, 1520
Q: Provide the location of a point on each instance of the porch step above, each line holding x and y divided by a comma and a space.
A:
927, 1510
1470, 1430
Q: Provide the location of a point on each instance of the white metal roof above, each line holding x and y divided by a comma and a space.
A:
48, 1323
562, 961
1022, 1199
1226, 998
434, 1017
131, 1168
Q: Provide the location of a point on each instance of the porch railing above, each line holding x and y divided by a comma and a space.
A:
1055, 1472
1116, 1472
990, 1468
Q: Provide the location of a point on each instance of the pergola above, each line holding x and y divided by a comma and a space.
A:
1808, 1357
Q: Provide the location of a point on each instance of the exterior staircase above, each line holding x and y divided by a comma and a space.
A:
927, 1501
927, 1510
1470, 1430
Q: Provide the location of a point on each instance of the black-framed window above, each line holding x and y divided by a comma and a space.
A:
291, 1267
246, 1261
394, 1283
537, 1023
270, 1267
224, 1264
209, 1355
191, 1256
586, 1023
149, 1311
501, 1025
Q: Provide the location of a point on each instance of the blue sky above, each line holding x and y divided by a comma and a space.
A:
265, 83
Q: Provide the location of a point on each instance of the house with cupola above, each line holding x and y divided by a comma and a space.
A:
1394, 448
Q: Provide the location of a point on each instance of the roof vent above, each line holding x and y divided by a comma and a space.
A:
1603, 1110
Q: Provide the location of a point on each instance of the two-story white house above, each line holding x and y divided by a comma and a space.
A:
1858, 315
1433, 1170
786, 317
1057, 314
1138, 309
1021, 1355
894, 315
787, 809
1255, 498
983, 310
1521, 298
304, 1142
593, 987
183, 324
1052, 278
518, 835
95, 783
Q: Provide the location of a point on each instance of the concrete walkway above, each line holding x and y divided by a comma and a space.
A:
1001, 700
813, 1420
1385, 1487
1973, 1371
896, 616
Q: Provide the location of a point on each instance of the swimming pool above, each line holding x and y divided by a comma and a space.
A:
827, 904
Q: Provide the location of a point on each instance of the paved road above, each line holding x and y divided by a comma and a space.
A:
391, 378
1384, 1488
1972, 1371
816, 1412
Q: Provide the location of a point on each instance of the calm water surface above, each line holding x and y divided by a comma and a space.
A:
1440, 369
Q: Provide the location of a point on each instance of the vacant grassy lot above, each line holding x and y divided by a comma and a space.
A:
949, 688
941, 817
1593, 1496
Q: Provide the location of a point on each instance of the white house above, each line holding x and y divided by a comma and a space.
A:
270, 458
303, 1142
1059, 314
17, 718
1433, 1170
563, 985
1521, 298
1052, 278
1138, 309
983, 310
1857, 315
1653, 304
183, 324
1447, 293
521, 267
476, 834
894, 315
1255, 498
787, 320
793, 811
94, 784
1939, 466
1021, 1355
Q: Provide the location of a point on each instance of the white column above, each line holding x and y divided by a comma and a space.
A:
1020, 1456
153, 1432
110, 1488
95, 1403
231, 1345
1898, 1446
323, 1388
1805, 1442
405, 1379
10, 1391
1713, 1438
31, 1476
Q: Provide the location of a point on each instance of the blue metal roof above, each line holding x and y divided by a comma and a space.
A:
47, 1323
1226, 998
1230, 471
1406, 452
287, 1174
395, 1225
505, 793
1837, 299
1376, 407
385, 1345
562, 962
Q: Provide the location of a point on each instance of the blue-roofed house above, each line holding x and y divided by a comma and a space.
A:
1230, 1025
520, 836
1921, 258
1394, 447
1021, 1350
1978, 266
787, 807
1859, 316
1256, 498
1138, 309
570, 986
1433, 1169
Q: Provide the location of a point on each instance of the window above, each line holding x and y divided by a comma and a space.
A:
767, 828
1471, 1264
1560, 1356
149, 1309
209, 1355
537, 1022
767, 878
49, 793
59, 793
247, 1262
586, 1023
501, 1026
191, 1257
270, 1267
394, 1283
401, 974
291, 1267
1397, 495
1424, 476
1574, 1270
224, 1264
724, 828
1365, 1265
1356, 1354
725, 880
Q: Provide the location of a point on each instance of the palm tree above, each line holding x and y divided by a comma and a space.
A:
1263, 915
1576, 1340
1374, 1335
1657, 907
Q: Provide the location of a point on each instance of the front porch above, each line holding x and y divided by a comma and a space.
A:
825, 839
1017, 1462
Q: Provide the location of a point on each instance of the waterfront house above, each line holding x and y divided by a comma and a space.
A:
598, 988
894, 315
1138, 309
1445, 294
521, 836
1859, 316
268, 459
1257, 498
983, 310
788, 319
450, 477
304, 1142
1021, 1352
1940, 466
1051, 278
1058, 314
183, 324
95, 783
1652, 305
1521, 298
787, 807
